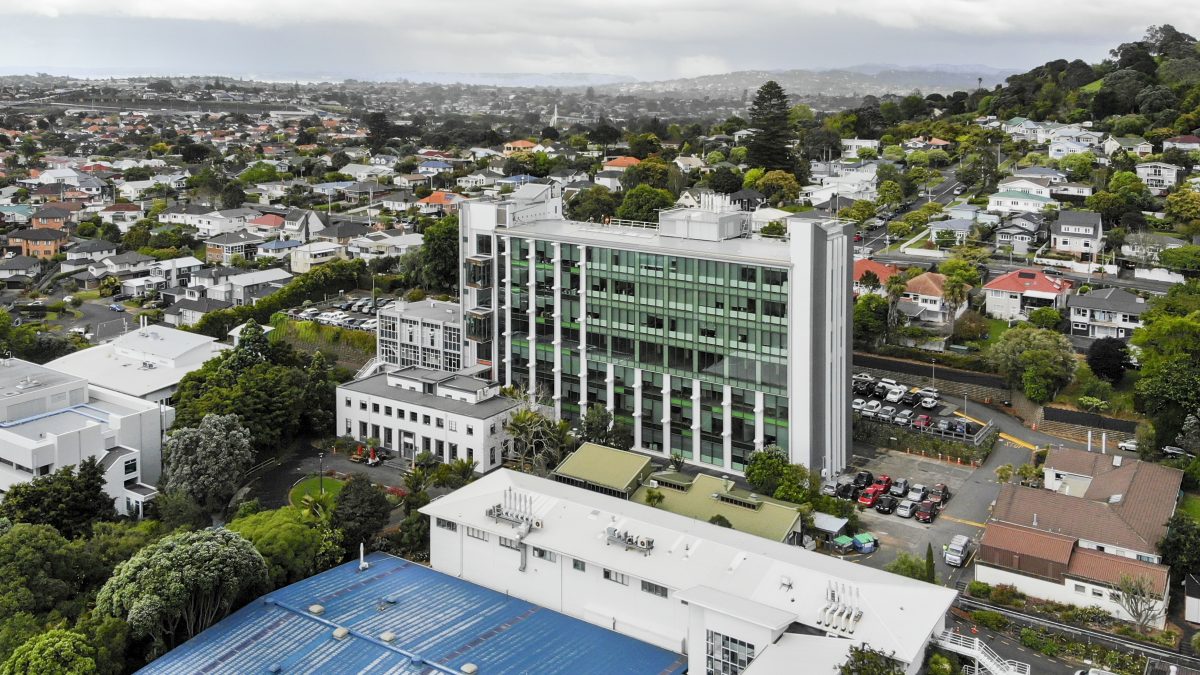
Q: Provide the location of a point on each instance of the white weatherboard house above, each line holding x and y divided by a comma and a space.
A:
732, 601
50, 419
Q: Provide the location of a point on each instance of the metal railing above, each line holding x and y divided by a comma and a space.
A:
984, 655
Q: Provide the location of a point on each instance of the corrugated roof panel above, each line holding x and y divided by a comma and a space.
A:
446, 622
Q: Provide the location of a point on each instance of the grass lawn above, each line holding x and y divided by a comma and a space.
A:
1191, 506
1092, 87
87, 295
996, 328
311, 485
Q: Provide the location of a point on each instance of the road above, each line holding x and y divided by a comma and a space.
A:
877, 238
1011, 650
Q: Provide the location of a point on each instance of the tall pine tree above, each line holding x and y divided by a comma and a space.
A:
769, 146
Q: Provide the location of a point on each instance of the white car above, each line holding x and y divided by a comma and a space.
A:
896, 393
871, 408
863, 377
369, 324
929, 403
930, 392
1128, 446
858, 404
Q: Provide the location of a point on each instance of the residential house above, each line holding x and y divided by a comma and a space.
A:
175, 271
1012, 201
1061, 147
440, 202
342, 232
304, 258
748, 199
365, 172
189, 311
1144, 247
1047, 174
388, 243
1159, 177
122, 215
302, 224
1022, 231
19, 269
266, 225
38, 242
519, 145
277, 249
236, 286
1034, 186
85, 253
1074, 192
183, 214
1098, 520
924, 300
368, 189
620, 163
219, 222
1134, 144
568, 176
959, 228
610, 179
479, 179
689, 163
690, 198
851, 146
1012, 296
973, 213
1187, 143
433, 167
412, 181
882, 272
223, 248
15, 214
52, 217
1106, 313
1079, 233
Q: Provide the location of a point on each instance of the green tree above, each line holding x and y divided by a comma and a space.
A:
865, 660
1109, 358
259, 172
653, 172
360, 511
1183, 205
724, 180
859, 211
55, 652
778, 186
1078, 165
890, 193
595, 425
1045, 317
593, 204
720, 521
908, 565
870, 318
439, 255
642, 203
1180, 547
38, 570
765, 469
207, 462
1182, 259
65, 500
293, 544
769, 147
232, 196
654, 497
1026, 346
930, 570
176, 587
1004, 473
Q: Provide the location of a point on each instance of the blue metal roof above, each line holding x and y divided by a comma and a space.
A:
440, 623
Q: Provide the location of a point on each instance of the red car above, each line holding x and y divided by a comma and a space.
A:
868, 496
939, 495
885, 482
858, 237
926, 512
923, 422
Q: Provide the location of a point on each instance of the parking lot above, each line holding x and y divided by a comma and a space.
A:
972, 492
915, 409
354, 313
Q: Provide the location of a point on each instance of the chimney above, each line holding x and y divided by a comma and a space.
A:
1035, 520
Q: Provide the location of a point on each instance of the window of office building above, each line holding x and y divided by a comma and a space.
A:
727, 655
477, 534
548, 556
447, 524
616, 577
510, 543
654, 589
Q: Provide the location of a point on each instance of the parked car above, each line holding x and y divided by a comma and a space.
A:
885, 414
895, 394
884, 481
912, 398
939, 495
929, 403
930, 392
883, 386
117, 308
858, 237
829, 489
1173, 452
943, 424
917, 493
958, 551
863, 377
868, 496
847, 491
906, 508
926, 511
858, 404
871, 408
863, 478
923, 422
1128, 445
121, 297
370, 324
903, 418
899, 488
863, 388
886, 504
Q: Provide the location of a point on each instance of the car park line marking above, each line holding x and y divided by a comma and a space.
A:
1017, 441
968, 417
962, 521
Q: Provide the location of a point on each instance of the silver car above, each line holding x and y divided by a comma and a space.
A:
906, 509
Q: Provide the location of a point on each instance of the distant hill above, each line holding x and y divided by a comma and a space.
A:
516, 79
847, 82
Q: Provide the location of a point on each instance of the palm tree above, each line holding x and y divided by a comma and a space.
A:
896, 286
954, 292
525, 427
558, 442
319, 506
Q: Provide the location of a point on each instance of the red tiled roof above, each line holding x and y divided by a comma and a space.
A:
881, 270
1020, 281
268, 220
1108, 569
929, 284
1027, 541
440, 197
521, 143
1187, 138
622, 162
122, 207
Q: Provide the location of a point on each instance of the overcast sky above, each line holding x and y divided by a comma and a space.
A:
644, 39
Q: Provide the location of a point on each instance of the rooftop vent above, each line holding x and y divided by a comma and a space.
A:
1116, 460
469, 669
387, 636
341, 633
316, 609
1116, 499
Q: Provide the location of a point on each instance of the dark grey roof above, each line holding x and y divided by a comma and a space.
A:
238, 237
94, 246
38, 234
129, 257
1089, 219
1114, 299
203, 305
19, 262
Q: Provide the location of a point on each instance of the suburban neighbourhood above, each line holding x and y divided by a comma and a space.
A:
631, 377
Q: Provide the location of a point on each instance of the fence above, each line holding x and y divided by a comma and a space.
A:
1079, 634
950, 381
1076, 424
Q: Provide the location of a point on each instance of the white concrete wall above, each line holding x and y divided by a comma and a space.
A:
1158, 274
1064, 593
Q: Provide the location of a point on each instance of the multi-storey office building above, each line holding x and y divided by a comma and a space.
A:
708, 340
427, 334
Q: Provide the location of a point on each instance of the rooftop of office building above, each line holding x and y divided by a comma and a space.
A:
428, 310
402, 618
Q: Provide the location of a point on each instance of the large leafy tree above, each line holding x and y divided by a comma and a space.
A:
866, 660
1039, 360
643, 203
1108, 358
360, 512
766, 468
1180, 548
207, 462
440, 255
70, 502
175, 588
55, 652
294, 544
593, 204
769, 147
39, 571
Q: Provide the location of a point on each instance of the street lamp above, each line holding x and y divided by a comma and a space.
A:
321, 471
934, 362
